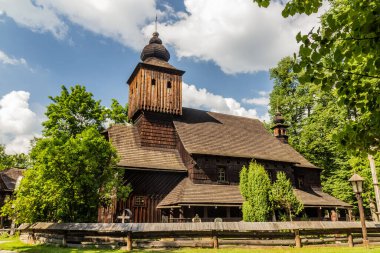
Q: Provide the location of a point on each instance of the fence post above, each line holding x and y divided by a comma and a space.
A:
350, 240
297, 238
215, 241
129, 241
64, 239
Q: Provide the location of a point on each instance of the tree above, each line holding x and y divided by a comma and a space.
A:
72, 112
283, 197
343, 55
255, 188
315, 119
73, 168
118, 114
12, 161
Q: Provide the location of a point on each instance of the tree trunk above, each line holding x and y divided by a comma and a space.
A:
290, 213
375, 183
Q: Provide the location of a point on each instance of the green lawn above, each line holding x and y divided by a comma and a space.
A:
16, 245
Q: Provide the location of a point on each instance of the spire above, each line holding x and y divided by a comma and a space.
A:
155, 49
277, 106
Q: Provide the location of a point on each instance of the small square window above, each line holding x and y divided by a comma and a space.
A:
221, 175
139, 201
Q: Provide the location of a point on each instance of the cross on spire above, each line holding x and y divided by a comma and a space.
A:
155, 25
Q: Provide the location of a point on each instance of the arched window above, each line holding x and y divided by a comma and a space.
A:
221, 174
169, 85
153, 82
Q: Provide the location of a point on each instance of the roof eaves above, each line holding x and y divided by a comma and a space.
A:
151, 169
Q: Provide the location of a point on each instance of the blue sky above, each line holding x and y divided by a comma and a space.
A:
225, 46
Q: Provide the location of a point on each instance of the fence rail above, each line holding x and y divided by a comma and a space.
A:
205, 234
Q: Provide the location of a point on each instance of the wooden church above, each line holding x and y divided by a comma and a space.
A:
184, 162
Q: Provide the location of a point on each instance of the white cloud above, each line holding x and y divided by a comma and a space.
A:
18, 123
264, 93
35, 16
264, 101
120, 20
205, 100
5, 59
237, 35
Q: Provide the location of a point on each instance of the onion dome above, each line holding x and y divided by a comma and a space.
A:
155, 49
278, 118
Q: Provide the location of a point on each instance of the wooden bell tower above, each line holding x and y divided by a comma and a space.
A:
155, 85
279, 128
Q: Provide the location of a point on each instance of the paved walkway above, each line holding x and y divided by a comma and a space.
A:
7, 251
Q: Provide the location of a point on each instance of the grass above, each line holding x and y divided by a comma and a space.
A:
15, 244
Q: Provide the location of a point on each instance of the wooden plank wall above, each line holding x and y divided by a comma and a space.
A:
206, 167
149, 91
153, 186
156, 130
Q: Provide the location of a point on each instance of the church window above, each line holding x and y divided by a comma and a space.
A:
153, 82
300, 182
221, 173
169, 85
139, 201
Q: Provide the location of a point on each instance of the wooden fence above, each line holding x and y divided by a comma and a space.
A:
205, 234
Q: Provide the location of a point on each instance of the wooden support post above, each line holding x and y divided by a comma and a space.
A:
129, 241
171, 215
297, 238
319, 211
181, 216
64, 240
350, 218
215, 241
228, 212
350, 240
205, 213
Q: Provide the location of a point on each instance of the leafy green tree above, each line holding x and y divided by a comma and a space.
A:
343, 55
72, 112
283, 197
255, 189
118, 114
5, 159
73, 168
13, 161
295, 6
313, 131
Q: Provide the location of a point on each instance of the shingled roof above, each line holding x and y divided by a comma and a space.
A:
189, 193
315, 197
9, 177
211, 133
127, 142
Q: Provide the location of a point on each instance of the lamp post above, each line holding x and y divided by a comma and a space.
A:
357, 185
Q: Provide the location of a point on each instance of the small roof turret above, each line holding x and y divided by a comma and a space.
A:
278, 118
